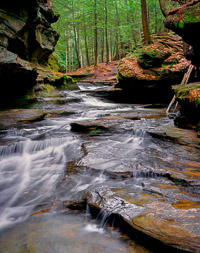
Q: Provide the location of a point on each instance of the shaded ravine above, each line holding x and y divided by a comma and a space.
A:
125, 163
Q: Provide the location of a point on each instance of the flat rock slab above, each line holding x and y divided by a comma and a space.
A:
182, 136
90, 126
159, 196
173, 222
12, 117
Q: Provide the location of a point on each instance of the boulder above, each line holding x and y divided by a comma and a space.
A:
93, 127
188, 98
146, 75
13, 117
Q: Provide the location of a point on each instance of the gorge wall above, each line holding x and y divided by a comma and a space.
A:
26, 40
185, 21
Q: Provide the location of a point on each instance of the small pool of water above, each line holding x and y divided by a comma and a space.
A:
64, 232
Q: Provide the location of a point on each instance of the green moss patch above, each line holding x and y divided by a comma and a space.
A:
152, 58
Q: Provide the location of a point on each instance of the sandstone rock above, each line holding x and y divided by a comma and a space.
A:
147, 75
185, 21
90, 127
189, 99
26, 37
10, 118
17, 76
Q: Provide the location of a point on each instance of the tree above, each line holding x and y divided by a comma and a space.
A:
101, 30
145, 22
106, 32
95, 34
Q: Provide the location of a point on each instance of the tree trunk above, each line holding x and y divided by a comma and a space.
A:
76, 47
72, 66
86, 48
106, 33
102, 46
117, 34
156, 19
81, 58
66, 55
145, 22
95, 34
69, 52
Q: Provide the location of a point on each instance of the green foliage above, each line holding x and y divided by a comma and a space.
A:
181, 24
124, 27
175, 24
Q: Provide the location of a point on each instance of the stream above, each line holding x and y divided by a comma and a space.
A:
47, 170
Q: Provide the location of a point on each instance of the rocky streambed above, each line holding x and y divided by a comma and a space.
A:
126, 165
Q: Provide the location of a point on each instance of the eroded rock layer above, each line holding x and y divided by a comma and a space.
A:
147, 74
185, 21
26, 38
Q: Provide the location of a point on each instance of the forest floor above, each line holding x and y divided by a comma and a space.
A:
101, 72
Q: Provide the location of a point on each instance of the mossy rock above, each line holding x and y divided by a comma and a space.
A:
189, 99
53, 64
47, 91
189, 93
63, 82
152, 58
87, 127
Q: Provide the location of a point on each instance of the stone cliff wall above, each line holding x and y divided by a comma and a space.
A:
26, 39
185, 21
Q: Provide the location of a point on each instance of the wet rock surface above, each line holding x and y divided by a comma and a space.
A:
40, 234
12, 117
145, 171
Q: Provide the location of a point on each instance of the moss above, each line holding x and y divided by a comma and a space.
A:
53, 64
47, 90
181, 24
96, 131
63, 82
152, 58
120, 74
189, 92
192, 14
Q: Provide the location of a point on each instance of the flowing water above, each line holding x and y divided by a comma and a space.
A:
35, 162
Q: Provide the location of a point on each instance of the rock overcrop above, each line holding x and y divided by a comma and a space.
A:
188, 98
185, 21
148, 73
26, 39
